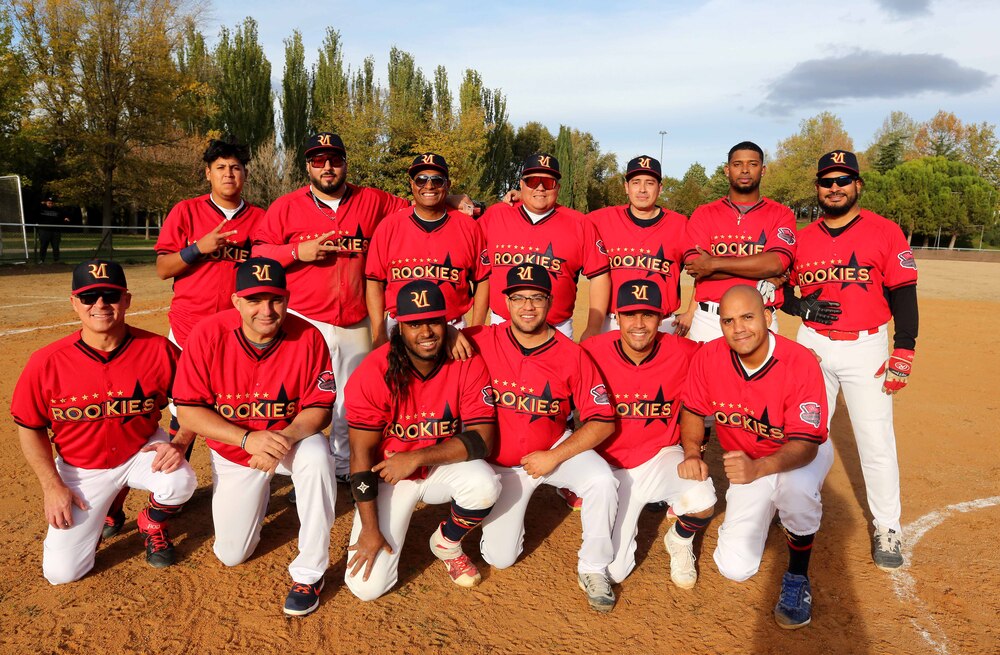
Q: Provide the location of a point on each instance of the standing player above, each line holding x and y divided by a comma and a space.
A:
100, 391
421, 424
742, 238
428, 242
256, 383
766, 395
539, 375
860, 260
645, 242
645, 371
320, 234
538, 231
51, 221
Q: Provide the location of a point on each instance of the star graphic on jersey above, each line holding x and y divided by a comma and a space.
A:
552, 258
282, 398
545, 395
765, 422
761, 240
137, 394
852, 265
657, 401
660, 258
445, 267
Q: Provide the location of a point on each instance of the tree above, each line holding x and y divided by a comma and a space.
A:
981, 150
195, 63
295, 87
893, 143
330, 104
692, 192
13, 89
790, 174
718, 184
941, 136
243, 90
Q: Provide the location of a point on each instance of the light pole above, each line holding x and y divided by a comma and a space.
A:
663, 133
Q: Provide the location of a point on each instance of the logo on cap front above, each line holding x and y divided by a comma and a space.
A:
644, 162
544, 161
524, 274
419, 299
98, 271
262, 272
837, 157
640, 292
427, 159
324, 139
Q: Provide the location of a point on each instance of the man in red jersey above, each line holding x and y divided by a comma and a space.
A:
539, 231
428, 242
539, 375
860, 263
320, 234
421, 425
767, 397
645, 242
743, 238
257, 384
645, 371
100, 391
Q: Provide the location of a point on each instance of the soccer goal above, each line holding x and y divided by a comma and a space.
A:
13, 234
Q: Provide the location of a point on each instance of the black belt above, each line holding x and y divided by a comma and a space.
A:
705, 307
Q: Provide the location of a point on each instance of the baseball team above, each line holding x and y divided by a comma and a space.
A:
437, 347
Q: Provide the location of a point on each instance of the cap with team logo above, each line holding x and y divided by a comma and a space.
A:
428, 160
541, 162
528, 276
636, 295
98, 274
838, 160
324, 141
260, 275
643, 165
420, 300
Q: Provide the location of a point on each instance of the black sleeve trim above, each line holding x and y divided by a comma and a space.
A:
33, 427
903, 305
606, 269
369, 428
803, 437
600, 419
193, 403
479, 420
320, 405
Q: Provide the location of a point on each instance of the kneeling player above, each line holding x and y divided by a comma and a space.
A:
767, 396
257, 384
100, 391
645, 371
420, 425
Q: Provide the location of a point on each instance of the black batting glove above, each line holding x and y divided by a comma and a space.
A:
811, 308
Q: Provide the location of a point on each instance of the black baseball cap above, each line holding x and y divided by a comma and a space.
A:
98, 274
636, 295
643, 165
541, 162
324, 141
260, 275
838, 160
428, 160
420, 300
528, 276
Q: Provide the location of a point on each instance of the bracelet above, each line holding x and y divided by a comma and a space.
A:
243, 443
295, 252
190, 254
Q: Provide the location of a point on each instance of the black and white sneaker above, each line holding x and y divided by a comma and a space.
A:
303, 598
887, 549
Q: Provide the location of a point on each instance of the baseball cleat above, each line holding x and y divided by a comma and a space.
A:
159, 549
682, 570
113, 524
794, 608
303, 598
461, 570
573, 501
887, 549
598, 590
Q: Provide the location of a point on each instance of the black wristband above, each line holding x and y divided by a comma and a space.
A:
364, 486
191, 254
243, 442
475, 447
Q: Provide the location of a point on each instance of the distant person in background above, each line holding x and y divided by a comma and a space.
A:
51, 220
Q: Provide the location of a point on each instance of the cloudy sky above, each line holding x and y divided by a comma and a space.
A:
710, 73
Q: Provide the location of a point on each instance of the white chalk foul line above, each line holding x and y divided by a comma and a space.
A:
904, 584
7, 333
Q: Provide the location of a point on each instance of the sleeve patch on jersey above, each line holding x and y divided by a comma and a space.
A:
484, 258
488, 396
810, 413
600, 247
786, 235
326, 382
600, 394
906, 259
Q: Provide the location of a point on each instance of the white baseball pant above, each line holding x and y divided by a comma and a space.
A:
750, 507
239, 504
851, 366
652, 481
566, 327
348, 347
588, 476
68, 555
473, 485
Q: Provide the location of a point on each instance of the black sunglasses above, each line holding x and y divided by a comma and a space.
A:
532, 182
435, 181
841, 181
109, 296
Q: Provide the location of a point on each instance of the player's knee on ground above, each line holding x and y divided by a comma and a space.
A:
502, 552
735, 563
372, 589
66, 565
232, 552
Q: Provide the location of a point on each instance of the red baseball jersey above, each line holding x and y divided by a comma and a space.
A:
565, 243
719, 229
101, 407
535, 391
206, 287
452, 254
759, 413
453, 397
854, 268
332, 290
643, 250
249, 387
645, 395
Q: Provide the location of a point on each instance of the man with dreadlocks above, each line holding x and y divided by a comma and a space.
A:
420, 425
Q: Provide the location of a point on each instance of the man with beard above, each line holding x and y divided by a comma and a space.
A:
743, 238
860, 262
421, 425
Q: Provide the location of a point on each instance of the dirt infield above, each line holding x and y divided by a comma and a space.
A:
943, 601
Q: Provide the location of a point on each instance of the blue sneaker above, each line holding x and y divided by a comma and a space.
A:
303, 598
794, 608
